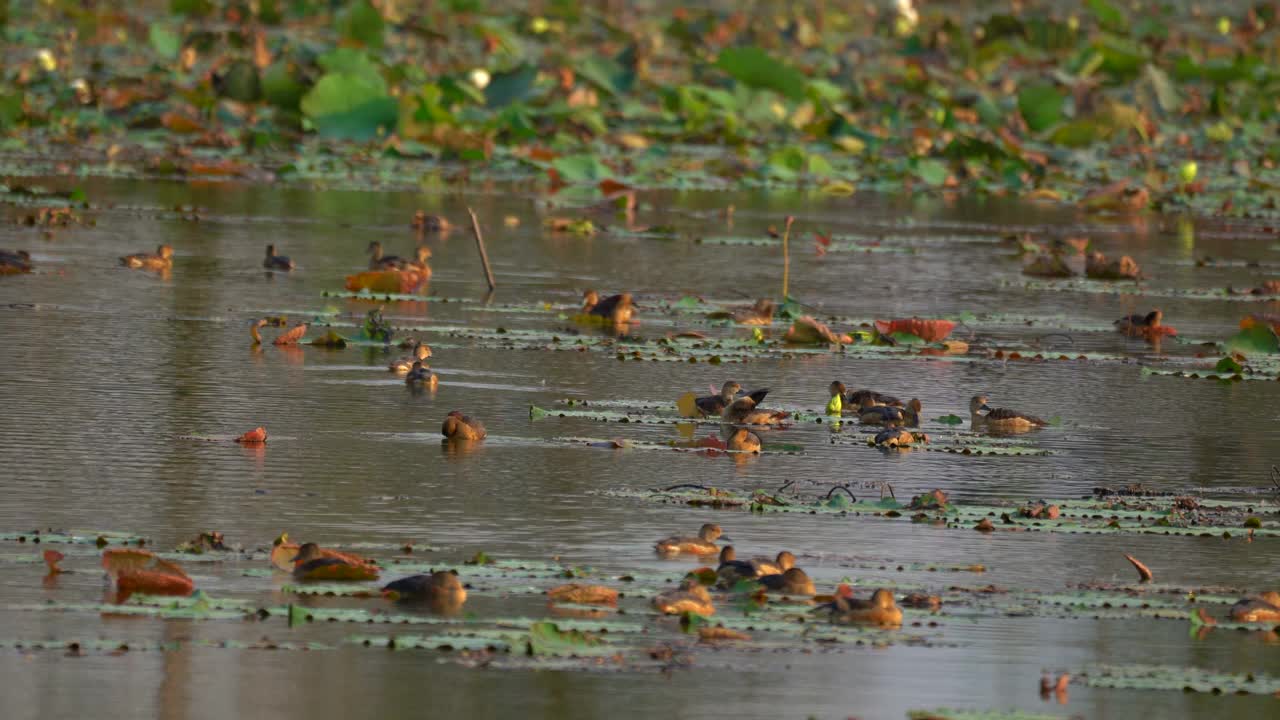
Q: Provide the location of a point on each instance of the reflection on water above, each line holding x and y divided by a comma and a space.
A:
103, 369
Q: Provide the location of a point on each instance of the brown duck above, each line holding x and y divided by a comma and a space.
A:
792, 582
703, 544
743, 411
276, 262
462, 427
616, 309
161, 260
983, 415
13, 262
744, 441
870, 414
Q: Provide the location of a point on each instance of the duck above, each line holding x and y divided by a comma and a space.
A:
313, 563
161, 260
1140, 324
440, 586
290, 337
758, 313
898, 438
703, 544
856, 398
1098, 267
744, 441
431, 223
421, 351
715, 404
617, 309
1001, 418
13, 262
731, 570
879, 610
419, 262
792, 582
777, 565
690, 597
1260, 608
276, 262
420, 375
743, 411
458, 426
870, 414
378, 261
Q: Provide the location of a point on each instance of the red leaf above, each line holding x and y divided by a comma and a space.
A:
52, 558
823, 240
342, 572
609, 187
927, 330
292, 337
152, 582
254, 436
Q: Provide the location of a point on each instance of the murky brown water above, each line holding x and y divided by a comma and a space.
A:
103, 369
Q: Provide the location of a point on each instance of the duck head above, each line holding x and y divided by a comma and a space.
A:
423, 253
729, 391
728, 554
837, 388
882, 599
422, 352
977, 404
1154, 318
165, 251
375, 249
786, 561
709, 532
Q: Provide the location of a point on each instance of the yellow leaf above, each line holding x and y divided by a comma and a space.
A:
850, 144
633, 141
688, 405
839, 188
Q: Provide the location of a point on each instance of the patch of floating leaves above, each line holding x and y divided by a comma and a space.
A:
1150, 516
1185, 679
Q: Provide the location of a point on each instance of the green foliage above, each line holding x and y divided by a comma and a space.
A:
1041, 105
509, 87
754, 67
1256, 340
164, 41
362, 23
350, 102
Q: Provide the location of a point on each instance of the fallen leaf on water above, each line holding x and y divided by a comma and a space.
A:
255, 436
1143, 571
583, 594
52, 558
925, 329
720, 632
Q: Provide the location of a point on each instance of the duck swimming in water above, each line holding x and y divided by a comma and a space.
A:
857, 398
715, 404
731, 570
276, 262
378, 261
421, 351
437, 587
777, 565
419, 262
743, 411
616, 309
462, 427
1140, 324
1098, 267
744, 441
421, 375
1003, 419
703, 544
898, 438
870, 414
881, 609
792, 582
313, 563
13, 262
690, 597
161, 260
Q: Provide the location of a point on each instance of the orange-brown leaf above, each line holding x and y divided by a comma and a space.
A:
720, 632
404, 282
151, 582
255, 436
119, 560
293, 336
179, 123
927, 330
52, 558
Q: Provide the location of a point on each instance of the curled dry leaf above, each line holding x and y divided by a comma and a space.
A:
808, 331
152, 582
1143, 571
292, 336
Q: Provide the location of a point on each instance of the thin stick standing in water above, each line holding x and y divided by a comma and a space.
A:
786, 258
484, 256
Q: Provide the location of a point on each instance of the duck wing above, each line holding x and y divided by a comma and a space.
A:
757, 396
605, 307
710, 404
1007, 414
